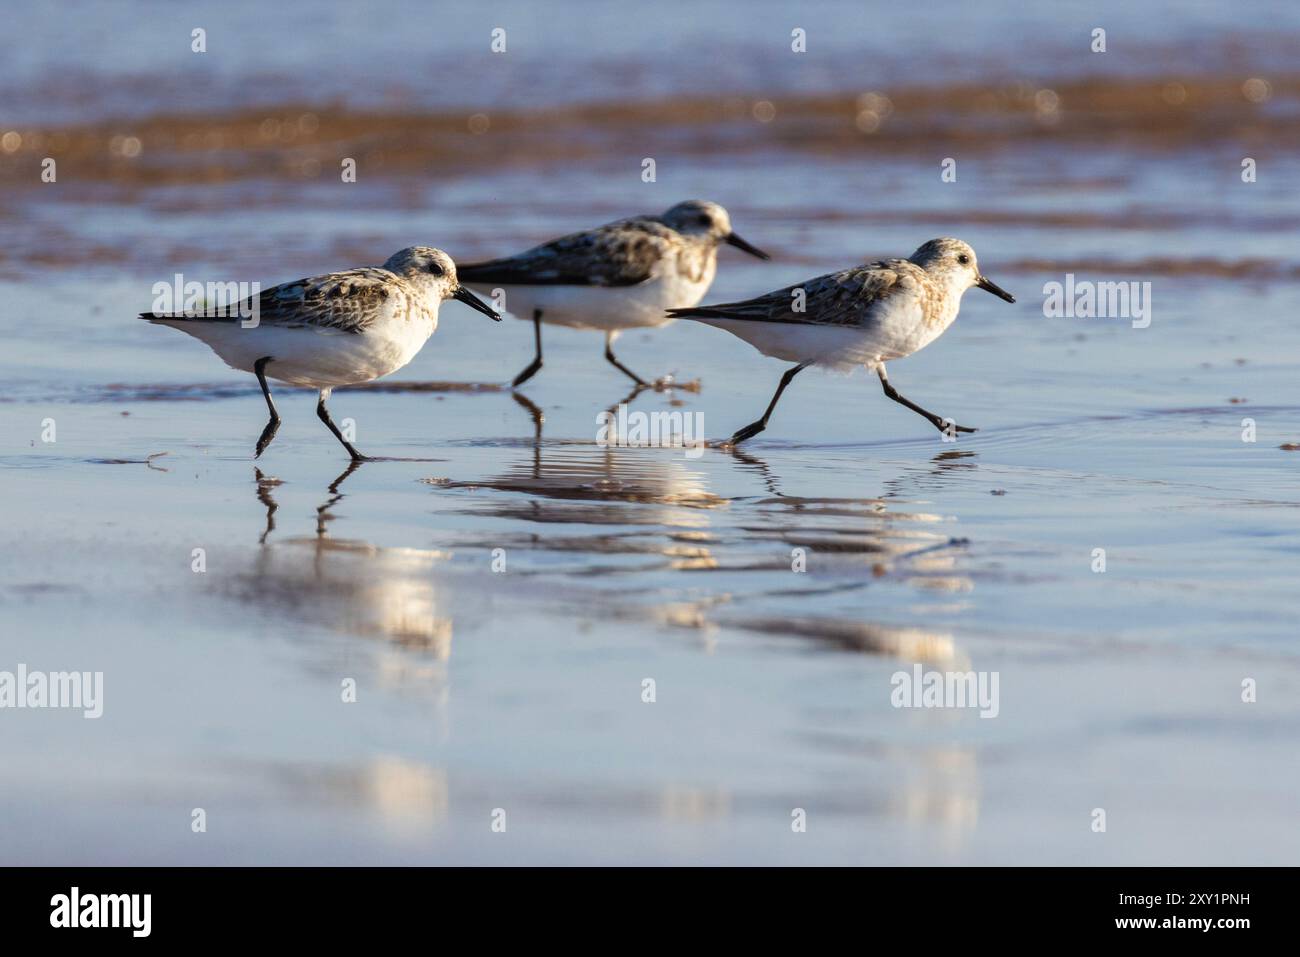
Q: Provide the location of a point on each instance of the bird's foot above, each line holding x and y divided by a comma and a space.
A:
748, 432
670, 383
265, 438
527, 374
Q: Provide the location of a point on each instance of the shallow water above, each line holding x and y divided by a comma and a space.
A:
521, 688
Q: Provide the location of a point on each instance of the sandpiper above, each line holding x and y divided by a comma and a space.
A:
338, 329
867, 315
619, 276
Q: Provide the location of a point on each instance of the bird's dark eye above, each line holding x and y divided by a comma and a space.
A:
435, 268
964, 259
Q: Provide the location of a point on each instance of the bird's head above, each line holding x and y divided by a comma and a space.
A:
433, 270
699, 217
952, 263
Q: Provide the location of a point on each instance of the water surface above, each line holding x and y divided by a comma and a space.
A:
500, 598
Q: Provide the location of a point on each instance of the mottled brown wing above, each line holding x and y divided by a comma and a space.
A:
620, 254
349, 301
848, 297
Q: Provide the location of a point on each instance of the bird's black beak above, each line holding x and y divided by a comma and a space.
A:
474, 302
994, 288
734, 240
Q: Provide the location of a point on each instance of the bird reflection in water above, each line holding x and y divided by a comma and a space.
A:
581, 483
539, 417
595, 510
349, 585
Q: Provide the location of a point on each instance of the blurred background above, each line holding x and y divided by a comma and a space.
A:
522, 689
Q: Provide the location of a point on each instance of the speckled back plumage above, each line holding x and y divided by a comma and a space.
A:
849, 297
349, 301
622, 253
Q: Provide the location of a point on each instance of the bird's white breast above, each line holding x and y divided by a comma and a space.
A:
321, 357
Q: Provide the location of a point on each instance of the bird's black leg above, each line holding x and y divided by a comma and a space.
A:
268, 433
609, 355
751, 430
324, 415
536, 364
943, 425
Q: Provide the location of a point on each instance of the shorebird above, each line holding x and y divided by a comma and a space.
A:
338, 329
867, 315
619, 276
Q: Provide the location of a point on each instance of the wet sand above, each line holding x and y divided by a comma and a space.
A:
521, 688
